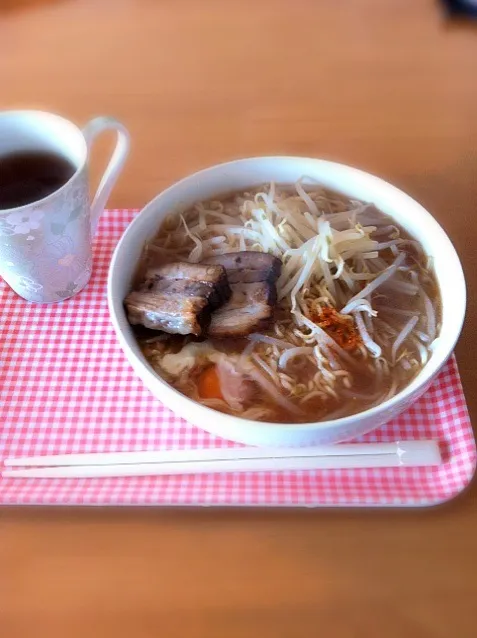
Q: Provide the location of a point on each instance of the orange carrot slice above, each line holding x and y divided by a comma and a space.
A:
209, 384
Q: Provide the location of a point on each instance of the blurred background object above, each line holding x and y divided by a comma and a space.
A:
462, 7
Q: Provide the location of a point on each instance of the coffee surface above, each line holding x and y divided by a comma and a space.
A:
29, 176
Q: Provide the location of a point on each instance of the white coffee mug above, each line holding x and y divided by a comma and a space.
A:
46, 246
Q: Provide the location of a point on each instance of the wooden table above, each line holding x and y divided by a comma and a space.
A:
382, 85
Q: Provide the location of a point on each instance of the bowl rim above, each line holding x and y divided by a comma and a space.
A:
428, 372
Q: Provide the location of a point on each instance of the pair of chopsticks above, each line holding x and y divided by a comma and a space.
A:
213, 460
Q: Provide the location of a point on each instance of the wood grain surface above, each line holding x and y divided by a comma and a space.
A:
386, 86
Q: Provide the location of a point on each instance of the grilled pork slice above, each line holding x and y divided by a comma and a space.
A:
248, 266
187, 288
260, 292
252, 276
207, 273
249, 309
190, 279
175, 314
178, 298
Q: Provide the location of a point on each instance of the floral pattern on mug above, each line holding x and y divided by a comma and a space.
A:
23, 222
6, 229
78, 284
16, 265
59, 264
15, 253
29, 285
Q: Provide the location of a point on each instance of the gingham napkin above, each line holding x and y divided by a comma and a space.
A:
67, 387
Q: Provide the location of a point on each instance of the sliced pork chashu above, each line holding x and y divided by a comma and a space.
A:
248, 266
170, 313
250, 308
178, 298
207, 273
187, 289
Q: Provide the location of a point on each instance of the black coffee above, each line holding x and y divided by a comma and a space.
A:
28, 176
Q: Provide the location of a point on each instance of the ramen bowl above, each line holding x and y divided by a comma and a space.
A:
241, 175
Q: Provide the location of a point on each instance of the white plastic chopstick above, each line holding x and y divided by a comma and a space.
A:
212, 460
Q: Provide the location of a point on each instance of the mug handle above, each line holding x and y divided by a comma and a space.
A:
90, 131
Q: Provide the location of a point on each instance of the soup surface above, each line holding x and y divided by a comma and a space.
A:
338, 314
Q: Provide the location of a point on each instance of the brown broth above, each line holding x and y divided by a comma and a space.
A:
348, 400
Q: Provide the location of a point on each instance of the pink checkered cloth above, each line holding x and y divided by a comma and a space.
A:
66, 386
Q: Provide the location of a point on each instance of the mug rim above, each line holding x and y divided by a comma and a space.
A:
79, 168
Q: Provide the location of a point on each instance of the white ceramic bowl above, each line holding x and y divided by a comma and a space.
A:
242, 174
